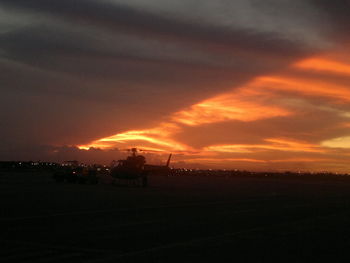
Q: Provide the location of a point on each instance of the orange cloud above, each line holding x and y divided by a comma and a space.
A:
157, 136
319, 64
235, 105
259, 99
273, 144
303, 86
339, 142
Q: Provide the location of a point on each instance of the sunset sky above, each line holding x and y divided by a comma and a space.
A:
235, 84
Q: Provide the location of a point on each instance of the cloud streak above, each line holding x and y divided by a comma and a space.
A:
264, 98
226, 82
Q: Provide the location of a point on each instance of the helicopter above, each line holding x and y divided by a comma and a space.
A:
135, 170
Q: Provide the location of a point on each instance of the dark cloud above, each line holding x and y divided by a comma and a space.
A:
130, 20
89, 69
338, 12
76, 48
43, 40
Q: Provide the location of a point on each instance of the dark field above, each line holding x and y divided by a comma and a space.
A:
176, 219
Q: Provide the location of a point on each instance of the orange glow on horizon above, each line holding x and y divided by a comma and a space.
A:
287, 160
218, 160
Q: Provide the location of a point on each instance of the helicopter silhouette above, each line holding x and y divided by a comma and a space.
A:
135, 171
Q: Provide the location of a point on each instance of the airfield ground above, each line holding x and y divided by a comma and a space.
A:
175, 219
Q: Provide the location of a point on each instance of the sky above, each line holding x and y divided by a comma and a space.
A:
225, 84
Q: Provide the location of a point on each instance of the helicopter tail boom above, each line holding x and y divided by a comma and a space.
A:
168, 162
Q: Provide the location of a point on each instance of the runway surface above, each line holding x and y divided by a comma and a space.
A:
176, 219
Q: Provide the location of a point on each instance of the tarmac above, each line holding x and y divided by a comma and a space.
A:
175, 219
